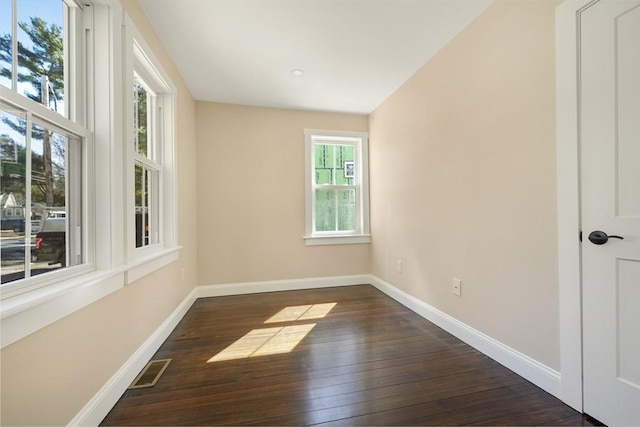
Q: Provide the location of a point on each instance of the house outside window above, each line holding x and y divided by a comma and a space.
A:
337, 196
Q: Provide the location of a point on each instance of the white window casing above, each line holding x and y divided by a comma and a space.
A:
146, 68
71, 128
30, 304
359, 233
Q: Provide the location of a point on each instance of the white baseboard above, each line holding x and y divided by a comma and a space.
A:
102, 402
282, 285
528, 368
100, 405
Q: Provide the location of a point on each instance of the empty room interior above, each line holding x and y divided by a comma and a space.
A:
363, 184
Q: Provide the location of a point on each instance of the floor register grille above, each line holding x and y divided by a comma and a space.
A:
150, 375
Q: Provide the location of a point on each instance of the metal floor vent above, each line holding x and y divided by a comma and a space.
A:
150, 374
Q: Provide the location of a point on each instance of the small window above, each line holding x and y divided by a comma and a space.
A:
337, 199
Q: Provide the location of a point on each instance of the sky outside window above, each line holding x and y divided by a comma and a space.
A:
51, 12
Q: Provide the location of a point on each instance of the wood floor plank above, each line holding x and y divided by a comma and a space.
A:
368, 361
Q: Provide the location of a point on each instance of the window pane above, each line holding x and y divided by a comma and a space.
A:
324, 163
335, 210
141, 208
334, 164
15, 242
146, 197
41, 55
39, 193
5, 43
153, 197
346, 201
49, 152
140, 125
344, 168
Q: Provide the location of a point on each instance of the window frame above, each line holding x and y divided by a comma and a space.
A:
71, 122
360, 142
152, 162
141, 62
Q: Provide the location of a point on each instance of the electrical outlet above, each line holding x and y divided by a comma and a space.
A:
456, 287
398, 266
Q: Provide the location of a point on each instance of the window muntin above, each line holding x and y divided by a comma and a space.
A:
337, 199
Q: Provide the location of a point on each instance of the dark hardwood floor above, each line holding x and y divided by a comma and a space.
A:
368, 361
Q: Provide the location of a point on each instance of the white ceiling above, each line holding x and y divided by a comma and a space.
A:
354, 53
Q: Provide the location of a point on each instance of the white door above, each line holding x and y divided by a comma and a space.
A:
610, 191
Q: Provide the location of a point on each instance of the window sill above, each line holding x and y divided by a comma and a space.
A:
151, 262
337, 240
31, 311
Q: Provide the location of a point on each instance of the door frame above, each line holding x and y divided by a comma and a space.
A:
568, 192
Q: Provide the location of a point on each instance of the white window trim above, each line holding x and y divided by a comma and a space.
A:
337, 240
361, 235
46, 299
110, 264
144, 63
73, 122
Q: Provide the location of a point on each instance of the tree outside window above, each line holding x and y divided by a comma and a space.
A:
37, 157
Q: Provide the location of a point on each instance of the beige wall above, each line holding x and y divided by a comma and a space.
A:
462, 185
463, 179
251, 196
50, 375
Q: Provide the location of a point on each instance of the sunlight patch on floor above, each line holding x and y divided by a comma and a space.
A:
302, 312
276, 340
264, 342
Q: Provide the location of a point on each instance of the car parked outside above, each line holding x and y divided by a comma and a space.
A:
51, 241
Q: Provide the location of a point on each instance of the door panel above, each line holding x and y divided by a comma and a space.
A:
610, 201
628, 91
629, 321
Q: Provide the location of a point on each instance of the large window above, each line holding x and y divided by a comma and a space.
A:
337, 208
43, 138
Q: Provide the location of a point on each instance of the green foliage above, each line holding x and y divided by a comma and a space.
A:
140, 112
44, 58
13, 175
13, 172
